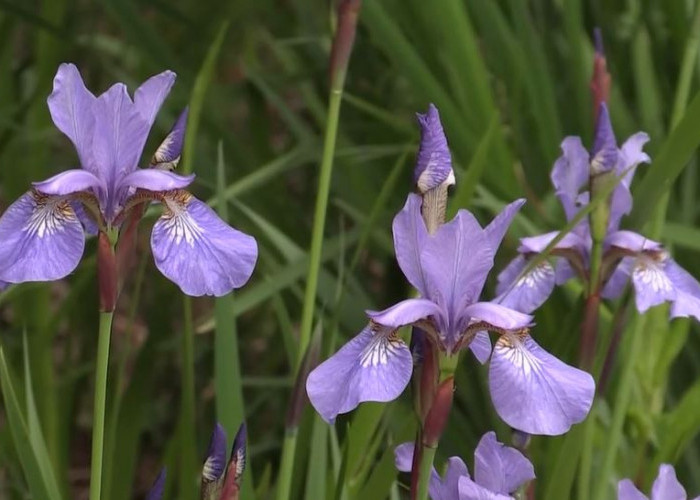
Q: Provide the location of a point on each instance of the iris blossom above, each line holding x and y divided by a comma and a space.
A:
665, 487
42, 233
656, 277
498, 472
531, 389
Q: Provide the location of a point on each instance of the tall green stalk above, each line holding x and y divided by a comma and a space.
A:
188, 438
98, 426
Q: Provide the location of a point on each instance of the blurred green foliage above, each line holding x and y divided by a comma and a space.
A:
510, 79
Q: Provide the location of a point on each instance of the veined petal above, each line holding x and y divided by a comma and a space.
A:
535, 392
527, 292
496, 230
501, 317
434, 163
406, 312
481, 347
149, 97
626, 490
71, 106
155, 180
500, 468
651, 284
410, 235
570, 173
469, 490
666, 485
215, 463
167, 156
70, 181
41, 239
374, 366
156, 491
194, 248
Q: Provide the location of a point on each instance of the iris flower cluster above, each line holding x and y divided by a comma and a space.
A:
665, 487
42, 234
627, 256
499, 471
448, 265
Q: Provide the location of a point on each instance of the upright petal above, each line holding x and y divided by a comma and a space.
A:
194, 248
496, 230
41, 239
167, 156
500, 468
604, 156
456, 261
410, 235
156, 491
666, 485
374, 366
525, 292
570, 173
149, 97
535, 392
434, 163
501, 317
71, 106
631, 155
406, 312
626, 490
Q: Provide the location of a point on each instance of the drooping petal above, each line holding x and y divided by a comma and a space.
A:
41, 239
604, 155
456, 261
167, 156
71, 106
666, 485
626, 490
496, 230
202, 254
70, 181
497, 315
149, 97
376, 365
651, 284
687, 302
410, 235
525, 292
469, 490
481, 347
632, 241
434, 163
537, 244
155, 180
215, 463
500, 468
570, 173
535, 392
406, 312
156, 491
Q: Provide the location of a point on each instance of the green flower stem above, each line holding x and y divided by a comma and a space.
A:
622, 399
188, 438
426, 467
284, 481
98, 426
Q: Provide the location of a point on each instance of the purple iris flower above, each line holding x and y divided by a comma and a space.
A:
655, 277
498, 472
531, 389
42, 233
156, 491
665, 487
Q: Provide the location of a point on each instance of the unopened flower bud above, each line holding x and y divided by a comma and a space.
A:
106, 273
214, 465
600, 81
439, 412
156, 491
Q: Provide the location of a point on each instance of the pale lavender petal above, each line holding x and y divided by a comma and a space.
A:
41, 239
70, 181
374, 366
434, 163
632, 241
85, 217
481, 347
666, 485
537, 244
456, 469
496, 230
626, 490
194, 248
570, 173
406, 312
651, 284
156, 491
535, 392
438, 488
215, 463
456, 261
687, 302
604, 154
403, 457
155, 180
619, 279
149, 97
410, 235
469, 490
631, 155
563, 271
119, 134
71, 107
167, 156
527, 292
500, 468
497, 315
